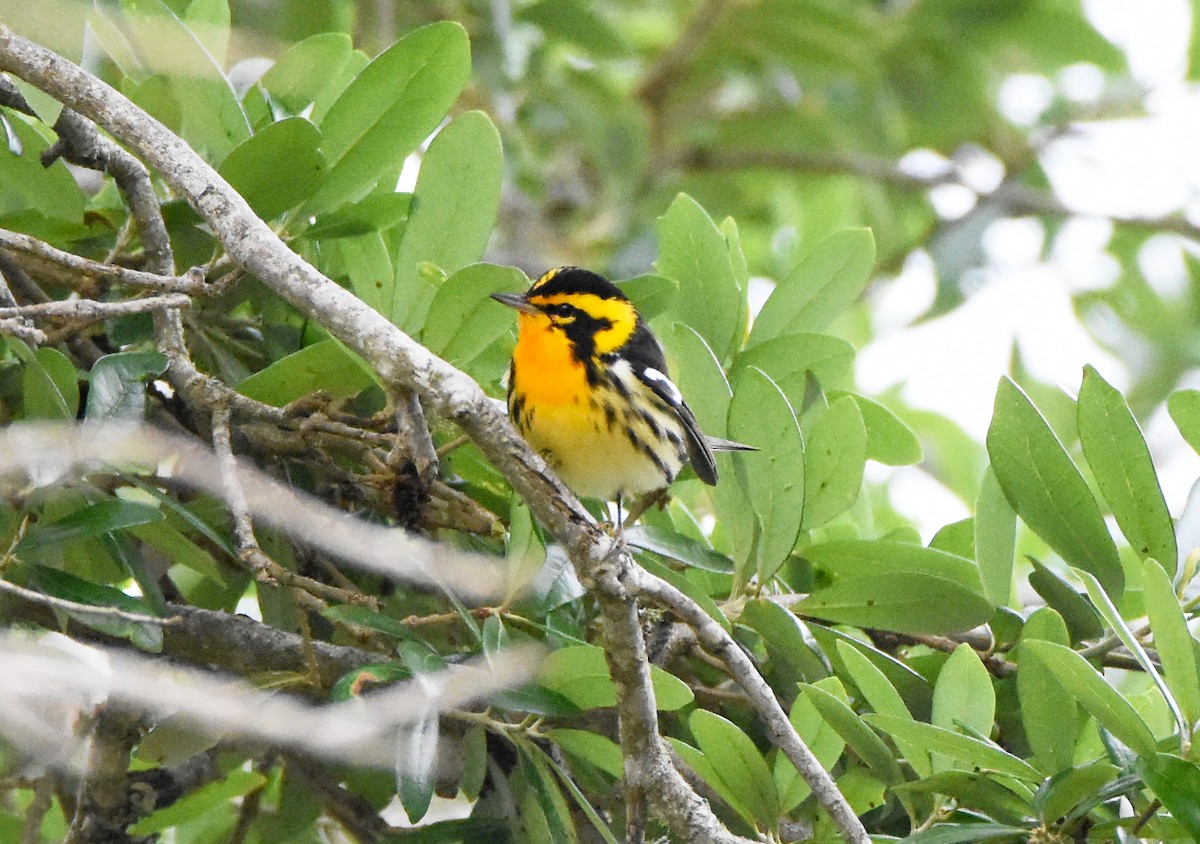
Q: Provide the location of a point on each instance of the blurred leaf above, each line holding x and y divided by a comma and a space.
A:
968, 750
738, 763
416, 756
277, 168
454, 210
179, 549
326, 366
51, 386
390, 107
1175, 782
50, 192
1184, 407
1046, 489
474, 762
117, 390
1048, 711
889, 440
835, 453
578, 22
680, 581
995, 540
692, 250
1120, 462
1174, 642
760, 415
1101, 700
237, 783
966, 833
463, 321
820, 288
580, 674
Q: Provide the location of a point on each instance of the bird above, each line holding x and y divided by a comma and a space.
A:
588, 388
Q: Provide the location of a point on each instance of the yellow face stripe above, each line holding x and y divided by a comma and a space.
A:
546, 277
619, 313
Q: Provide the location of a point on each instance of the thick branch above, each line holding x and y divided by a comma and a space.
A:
103, 811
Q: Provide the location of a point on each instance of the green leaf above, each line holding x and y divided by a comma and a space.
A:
61, 584
462, 320
789, 360
903, 603
580, 674
590, 747
1175, 782
205, 799
474, 762
882, 558
820, 288
965, 749
308, 69
1174, 642
760, 415
783, 634
738, 763
277, 168
1101, 700
835, 454
1069, 787
889, 440
1046, 489
118, 385
1120, 462
1048, 711
390, 107
454, 210
883, 697
50, 192
865, 743
1112, 615
50, 385
995, 540
179, 549
699, 763
692, 250
1184, 407
578, 22
651, 294
106, 516
822, 740
963, 694
676, 546
377, 213
326, 365
971, 790
1080, 616
966, 833
914, 689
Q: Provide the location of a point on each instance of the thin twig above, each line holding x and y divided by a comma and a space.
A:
714, 638
23, 248
83, 609
35, 812
91, 310
17, 328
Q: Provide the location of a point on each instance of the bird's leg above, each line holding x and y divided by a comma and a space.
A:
650, 499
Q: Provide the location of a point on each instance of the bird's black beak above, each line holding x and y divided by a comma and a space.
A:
515, 300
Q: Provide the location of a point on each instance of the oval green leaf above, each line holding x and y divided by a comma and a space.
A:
1174, 642
965, 749
995, 540
902, 602
739, 764
835, 455
580, 674
1046, 489
1120, 461
277, 168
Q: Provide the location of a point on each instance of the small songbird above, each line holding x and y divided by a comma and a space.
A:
588, 388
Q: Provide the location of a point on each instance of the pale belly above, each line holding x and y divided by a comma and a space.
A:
597, 460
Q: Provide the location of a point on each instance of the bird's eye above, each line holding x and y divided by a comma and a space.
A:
559, 310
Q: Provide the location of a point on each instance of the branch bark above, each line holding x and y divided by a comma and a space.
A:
402, 363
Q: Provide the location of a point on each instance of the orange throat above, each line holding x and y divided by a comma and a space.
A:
545, 370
